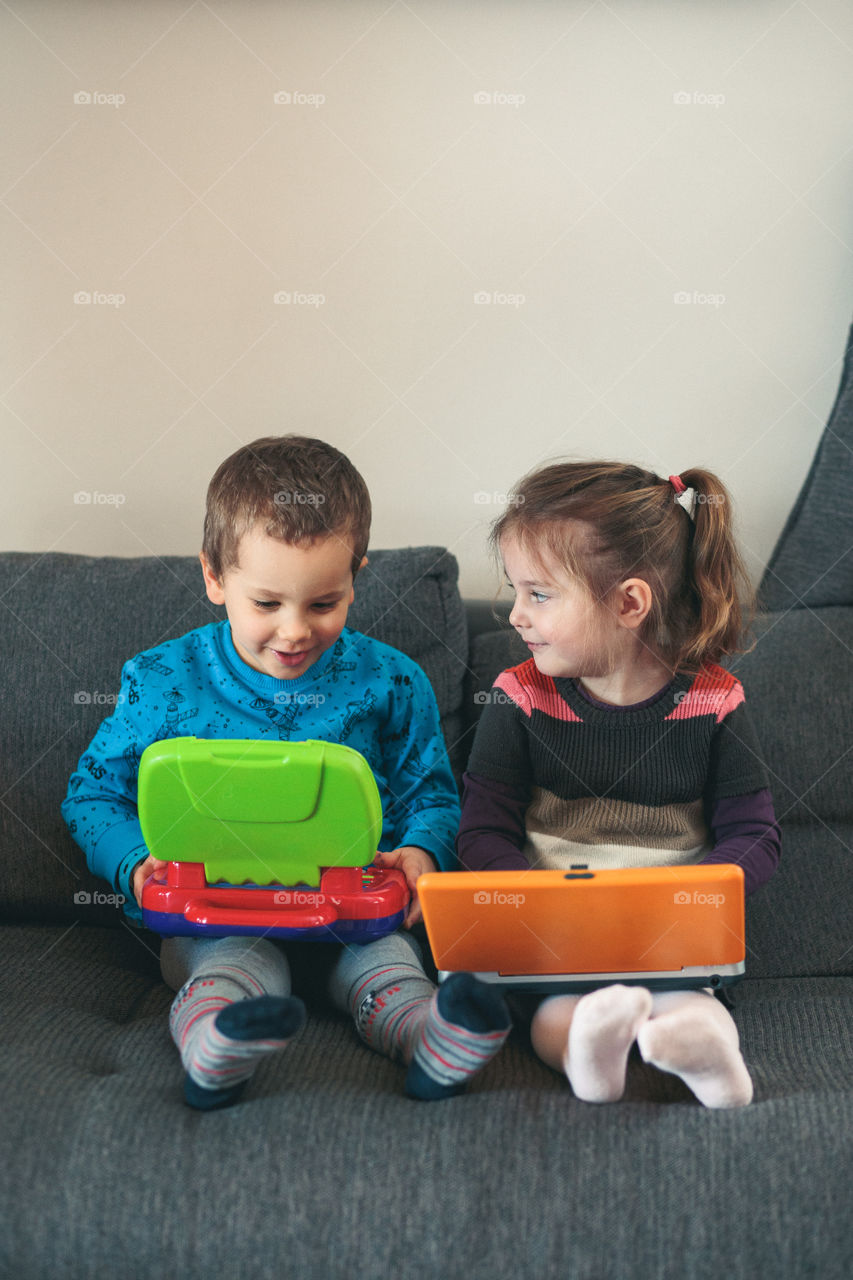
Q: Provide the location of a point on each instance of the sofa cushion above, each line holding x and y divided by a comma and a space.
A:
812, 562
326, 1169
67, 625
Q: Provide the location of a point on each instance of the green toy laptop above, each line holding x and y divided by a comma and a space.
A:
270, 838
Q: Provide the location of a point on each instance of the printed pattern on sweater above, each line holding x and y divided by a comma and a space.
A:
359, 692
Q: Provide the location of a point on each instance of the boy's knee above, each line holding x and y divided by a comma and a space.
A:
265, 964
394, 948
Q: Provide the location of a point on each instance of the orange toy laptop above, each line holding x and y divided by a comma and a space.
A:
551, 931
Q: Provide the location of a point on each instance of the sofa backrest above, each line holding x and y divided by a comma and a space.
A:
67, 625
812, 562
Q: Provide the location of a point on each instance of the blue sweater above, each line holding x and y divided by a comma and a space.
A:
359, 692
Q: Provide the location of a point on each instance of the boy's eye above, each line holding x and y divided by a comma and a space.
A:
265, 604
325, 605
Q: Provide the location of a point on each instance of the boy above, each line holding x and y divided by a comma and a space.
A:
285, 533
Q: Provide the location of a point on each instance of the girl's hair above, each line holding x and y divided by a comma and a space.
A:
605, 522
296, 488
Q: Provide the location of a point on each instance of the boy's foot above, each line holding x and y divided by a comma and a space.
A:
697, 1046
467, 1022
604, 1026
230, 1044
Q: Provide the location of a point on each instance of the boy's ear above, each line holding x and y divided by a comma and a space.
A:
358, 570
632, 602
212, 585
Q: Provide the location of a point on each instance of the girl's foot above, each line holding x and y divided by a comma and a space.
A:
695, 1045
603, 1028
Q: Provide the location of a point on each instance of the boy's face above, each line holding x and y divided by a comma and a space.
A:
286, 604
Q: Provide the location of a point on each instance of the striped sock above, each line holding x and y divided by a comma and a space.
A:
443, 1036
467, 1023
389, 1005
223, 1024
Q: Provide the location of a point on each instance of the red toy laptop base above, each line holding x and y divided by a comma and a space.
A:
352, 904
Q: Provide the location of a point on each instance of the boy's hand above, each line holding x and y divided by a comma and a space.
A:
413, 862
148, 867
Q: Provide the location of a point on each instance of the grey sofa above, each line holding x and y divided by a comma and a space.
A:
326, 1169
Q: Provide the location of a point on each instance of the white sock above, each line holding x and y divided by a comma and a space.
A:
603, 1028
696, 1039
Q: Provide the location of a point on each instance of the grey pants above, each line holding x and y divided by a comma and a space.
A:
265, 962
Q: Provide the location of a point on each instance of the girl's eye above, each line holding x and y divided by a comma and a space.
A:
538, 597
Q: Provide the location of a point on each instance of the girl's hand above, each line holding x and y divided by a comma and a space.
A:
150, 866
413, 862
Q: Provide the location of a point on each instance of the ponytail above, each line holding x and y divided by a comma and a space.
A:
722, 593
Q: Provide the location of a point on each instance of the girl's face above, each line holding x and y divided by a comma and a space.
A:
567, 634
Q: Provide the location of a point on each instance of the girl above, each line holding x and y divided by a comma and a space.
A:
620, 742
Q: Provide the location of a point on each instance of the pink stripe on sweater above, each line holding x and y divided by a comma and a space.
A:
714, 692
526, 686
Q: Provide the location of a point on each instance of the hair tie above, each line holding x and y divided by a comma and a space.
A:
685, 497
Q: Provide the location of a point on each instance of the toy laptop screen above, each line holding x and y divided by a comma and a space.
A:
549, 931
268, 838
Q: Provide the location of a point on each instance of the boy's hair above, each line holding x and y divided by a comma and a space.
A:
296, 488
605, 522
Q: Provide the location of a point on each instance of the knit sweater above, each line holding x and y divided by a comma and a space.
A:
555, 778
359, 692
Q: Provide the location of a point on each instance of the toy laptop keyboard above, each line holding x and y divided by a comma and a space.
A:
551, 931
271, 838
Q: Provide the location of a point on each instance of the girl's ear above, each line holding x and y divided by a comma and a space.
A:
215, 594
633, 600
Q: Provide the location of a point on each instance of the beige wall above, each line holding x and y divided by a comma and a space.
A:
626, 153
